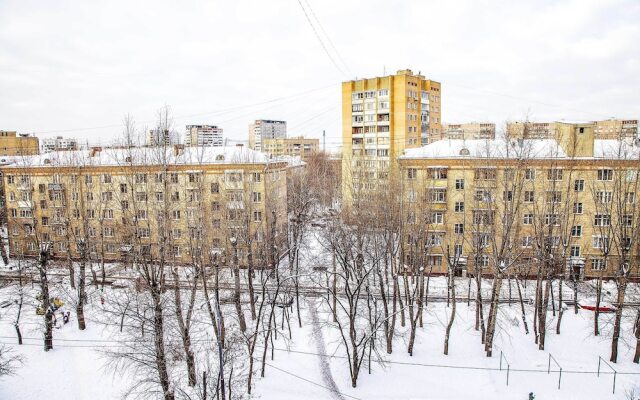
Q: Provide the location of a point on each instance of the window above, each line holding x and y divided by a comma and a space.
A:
554, 197
88, 179
14, 213
437, 173
507, 195
412, 173
41, 188
576, 231
604, 197
257, 197
437, 218
194, 177
175, 214
159, 177
107, 214
176, 251
215, 187
575, 251
554, 174
45, 221
43, 204
141, 214
527, 219
176, 233
459, 206
598, 264
578, 185
605, 174
483, 217
459, 184
458, 229
457, 250
141, 178
10, 180
91, 214
529, 195
600, 242
577, 208
602, 220
485, 174
107, 196
106, 178
175, 196
141, 196
174, 177
551, 219
124, 204
76, 214
257, 216
437, 195
143, 232
107, 231
527, 241
159, 196
530, 174
482, 261
484, 195
627, 220
123, 188
631, 197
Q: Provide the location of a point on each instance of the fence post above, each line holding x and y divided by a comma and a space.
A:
614, 381
549, 365
508, 367
500, 360
599, 358
559, 378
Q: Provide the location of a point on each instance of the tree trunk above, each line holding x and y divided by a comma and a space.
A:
636, 356
46, 305
81, 295
493, 314
160, 356
524, 315
596, 325
452, 289
236, 295
542, 314
560, 305
622, 288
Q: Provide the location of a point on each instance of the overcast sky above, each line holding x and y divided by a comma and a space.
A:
75, 68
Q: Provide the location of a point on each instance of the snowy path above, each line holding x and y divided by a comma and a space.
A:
325, 368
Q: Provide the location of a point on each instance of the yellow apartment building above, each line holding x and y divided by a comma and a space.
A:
123, 203
469, 130
572, 199
294, 146
12, 144
381, 117
605, 129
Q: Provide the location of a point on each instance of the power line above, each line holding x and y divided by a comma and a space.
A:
320, 40
328, 38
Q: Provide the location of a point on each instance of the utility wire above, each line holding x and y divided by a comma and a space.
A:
320, 40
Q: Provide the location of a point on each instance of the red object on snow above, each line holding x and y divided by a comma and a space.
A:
604, 307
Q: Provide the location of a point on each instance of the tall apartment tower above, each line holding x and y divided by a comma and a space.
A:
381, 117
203, 135
157, 137
265, 129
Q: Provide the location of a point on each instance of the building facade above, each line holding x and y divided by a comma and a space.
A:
161, 137
12, 144
263, 129
59, 143
121, 204
571, 201
605, 129
203, 135
469, 131
381, 117
294, 146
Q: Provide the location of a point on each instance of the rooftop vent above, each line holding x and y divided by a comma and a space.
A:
464, 151
46, 161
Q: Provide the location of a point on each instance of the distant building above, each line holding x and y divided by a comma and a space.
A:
263, 129
203, 135
12, 144
616, 128
157, 137
606, 129
469, 131
59, 144
295, 146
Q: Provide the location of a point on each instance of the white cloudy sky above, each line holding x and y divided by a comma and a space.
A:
76, 67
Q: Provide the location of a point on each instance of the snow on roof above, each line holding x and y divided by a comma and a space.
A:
626, 149
201, 155
488, 148
527, 148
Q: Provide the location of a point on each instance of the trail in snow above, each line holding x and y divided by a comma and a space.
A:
325, 368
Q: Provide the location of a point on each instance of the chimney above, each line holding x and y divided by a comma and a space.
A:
178, 149
95, 151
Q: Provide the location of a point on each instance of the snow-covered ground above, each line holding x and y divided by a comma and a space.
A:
312, 366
